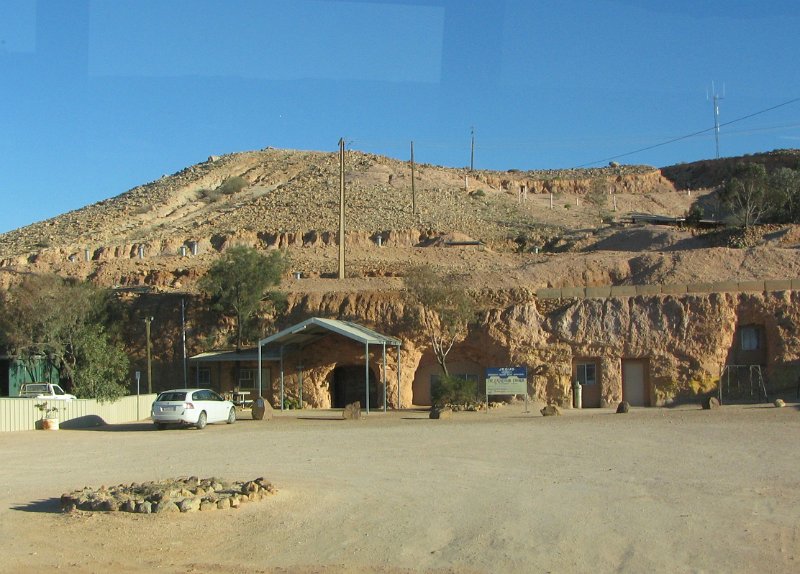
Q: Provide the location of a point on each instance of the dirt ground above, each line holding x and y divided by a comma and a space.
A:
656, 490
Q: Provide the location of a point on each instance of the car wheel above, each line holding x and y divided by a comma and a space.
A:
232, 416
201, 421
161, 426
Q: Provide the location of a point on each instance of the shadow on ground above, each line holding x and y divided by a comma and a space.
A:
98, 424
47, 505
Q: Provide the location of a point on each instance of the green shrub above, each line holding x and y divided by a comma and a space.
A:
454, 391
291, 403
232, 185
210, 195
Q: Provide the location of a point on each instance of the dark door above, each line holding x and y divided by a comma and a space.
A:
349, 386
4, 389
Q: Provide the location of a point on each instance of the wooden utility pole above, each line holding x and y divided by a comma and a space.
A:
413, 188
341, 208
472, 151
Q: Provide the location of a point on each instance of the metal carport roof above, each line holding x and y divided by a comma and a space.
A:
311, 330
228, 356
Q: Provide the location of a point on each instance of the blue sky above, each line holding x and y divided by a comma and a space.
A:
99, 96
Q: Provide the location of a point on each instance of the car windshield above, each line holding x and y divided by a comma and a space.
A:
172, 396
58, 390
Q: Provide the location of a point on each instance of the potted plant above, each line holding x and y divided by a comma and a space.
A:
49, 419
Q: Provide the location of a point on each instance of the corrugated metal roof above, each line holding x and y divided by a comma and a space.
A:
227, 356
312, 329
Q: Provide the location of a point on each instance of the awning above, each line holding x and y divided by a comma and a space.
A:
312, 330
231, 356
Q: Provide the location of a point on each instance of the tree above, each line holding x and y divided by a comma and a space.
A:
60, 320
785, 183
101, 366
237, 283
443, 309
747, 194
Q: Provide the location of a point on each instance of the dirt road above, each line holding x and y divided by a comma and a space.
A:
656, 490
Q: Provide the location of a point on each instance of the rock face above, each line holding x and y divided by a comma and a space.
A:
677, 342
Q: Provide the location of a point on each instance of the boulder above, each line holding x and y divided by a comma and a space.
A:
710, 403
352, 412
550, 411
262, 410
189, 505
441, 413
623, 407
779, 403
165, 505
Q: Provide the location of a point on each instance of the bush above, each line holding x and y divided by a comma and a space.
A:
232, 185
209, 195
453, 391
291, 403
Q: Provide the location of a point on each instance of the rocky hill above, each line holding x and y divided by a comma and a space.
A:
508, 234
508, 229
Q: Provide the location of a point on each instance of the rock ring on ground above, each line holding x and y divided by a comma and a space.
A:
168, 495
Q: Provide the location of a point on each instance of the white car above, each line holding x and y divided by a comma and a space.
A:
195, 407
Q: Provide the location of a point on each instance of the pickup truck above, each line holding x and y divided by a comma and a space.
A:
45, 391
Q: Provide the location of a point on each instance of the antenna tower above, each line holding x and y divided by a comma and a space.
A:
715, 98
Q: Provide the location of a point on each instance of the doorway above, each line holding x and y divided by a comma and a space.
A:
585, 371
348, 385
635, 389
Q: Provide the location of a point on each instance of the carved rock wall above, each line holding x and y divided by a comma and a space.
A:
682, 340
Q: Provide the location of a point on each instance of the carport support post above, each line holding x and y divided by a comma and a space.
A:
366, 371
258, 377
300, 383
384, 376
398, 377
281, 377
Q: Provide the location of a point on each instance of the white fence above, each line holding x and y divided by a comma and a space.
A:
21, 414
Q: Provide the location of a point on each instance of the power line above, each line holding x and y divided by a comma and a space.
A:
687, 136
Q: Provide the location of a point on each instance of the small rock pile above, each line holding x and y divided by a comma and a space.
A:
169, 495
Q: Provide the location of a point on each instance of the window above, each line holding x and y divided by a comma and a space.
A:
751, 338
586, 373
204, 378
247, 378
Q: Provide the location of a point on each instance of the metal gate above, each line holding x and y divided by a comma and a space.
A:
742, 383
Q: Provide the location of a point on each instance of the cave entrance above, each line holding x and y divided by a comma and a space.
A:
349, 385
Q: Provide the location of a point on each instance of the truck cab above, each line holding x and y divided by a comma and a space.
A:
47, 391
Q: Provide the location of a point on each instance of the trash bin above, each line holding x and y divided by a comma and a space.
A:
576, 394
